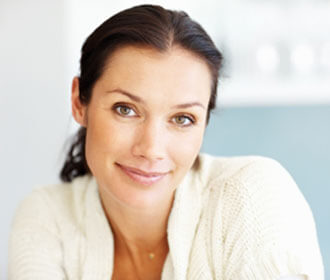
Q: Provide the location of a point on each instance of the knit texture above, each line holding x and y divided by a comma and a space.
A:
239, 218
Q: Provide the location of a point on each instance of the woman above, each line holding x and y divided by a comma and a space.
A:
138, 200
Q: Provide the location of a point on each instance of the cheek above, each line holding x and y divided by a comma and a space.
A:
105, 140
185, 148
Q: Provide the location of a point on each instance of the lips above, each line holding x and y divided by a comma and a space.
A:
141, 176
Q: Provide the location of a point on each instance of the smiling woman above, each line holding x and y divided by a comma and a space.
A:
136, 131
138, 200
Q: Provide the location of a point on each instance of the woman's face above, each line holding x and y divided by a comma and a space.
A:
145, 123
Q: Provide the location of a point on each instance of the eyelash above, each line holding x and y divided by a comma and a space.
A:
190, 118
116, 108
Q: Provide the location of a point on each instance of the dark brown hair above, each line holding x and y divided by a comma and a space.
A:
144, 25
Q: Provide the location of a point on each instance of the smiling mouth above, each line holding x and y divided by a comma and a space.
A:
142, 177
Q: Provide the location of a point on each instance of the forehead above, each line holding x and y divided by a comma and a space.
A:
141, 69
174, 54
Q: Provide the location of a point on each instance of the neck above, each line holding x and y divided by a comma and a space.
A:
138, 232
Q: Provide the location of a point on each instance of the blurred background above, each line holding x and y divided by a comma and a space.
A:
274, 94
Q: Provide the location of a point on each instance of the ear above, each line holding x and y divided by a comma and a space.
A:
78, 109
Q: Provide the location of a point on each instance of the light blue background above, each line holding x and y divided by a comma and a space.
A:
298, 137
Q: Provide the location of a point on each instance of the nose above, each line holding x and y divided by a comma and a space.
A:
150, 141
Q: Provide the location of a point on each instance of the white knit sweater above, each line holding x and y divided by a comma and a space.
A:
232, 219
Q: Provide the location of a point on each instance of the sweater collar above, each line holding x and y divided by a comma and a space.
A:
99, 238
182, 224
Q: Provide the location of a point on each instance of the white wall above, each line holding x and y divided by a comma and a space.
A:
278, 51
34, 107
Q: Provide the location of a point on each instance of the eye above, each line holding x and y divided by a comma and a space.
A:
183, 120
124, 110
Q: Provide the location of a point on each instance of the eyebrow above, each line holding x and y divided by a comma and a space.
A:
140, 100
124, 92
190, 104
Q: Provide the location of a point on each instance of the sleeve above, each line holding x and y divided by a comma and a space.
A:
34, 246
269, 230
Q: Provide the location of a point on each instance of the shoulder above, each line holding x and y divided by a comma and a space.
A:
50, 204
63, 193
263, 219
46, 227
253, 188
240, 170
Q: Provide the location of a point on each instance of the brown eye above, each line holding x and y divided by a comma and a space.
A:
125, 111
183, 120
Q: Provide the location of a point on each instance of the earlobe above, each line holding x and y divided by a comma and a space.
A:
78, 109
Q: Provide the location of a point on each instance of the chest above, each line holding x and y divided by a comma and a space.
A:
125, 269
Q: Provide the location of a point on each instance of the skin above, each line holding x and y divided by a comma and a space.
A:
145, 125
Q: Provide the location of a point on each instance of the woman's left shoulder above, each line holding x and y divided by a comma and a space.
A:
245, 171
253, 182
256, 206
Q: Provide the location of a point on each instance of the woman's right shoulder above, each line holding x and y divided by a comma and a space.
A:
57, 202
64, 192
45, 222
